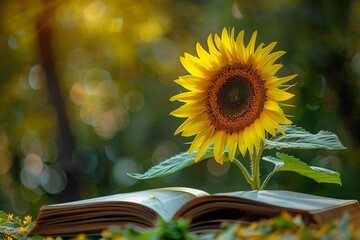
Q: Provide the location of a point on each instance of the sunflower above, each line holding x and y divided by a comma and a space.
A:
233, 97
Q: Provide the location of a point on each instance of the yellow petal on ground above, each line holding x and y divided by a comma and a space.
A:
188, 110
232, 145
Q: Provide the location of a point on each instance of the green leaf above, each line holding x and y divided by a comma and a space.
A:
171, 165
3, 217
285, 162
297, 137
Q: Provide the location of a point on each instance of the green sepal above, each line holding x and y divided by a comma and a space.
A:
172, 165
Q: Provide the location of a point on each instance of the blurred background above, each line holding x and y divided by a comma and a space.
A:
85, 86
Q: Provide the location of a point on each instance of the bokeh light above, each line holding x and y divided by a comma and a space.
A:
114, 63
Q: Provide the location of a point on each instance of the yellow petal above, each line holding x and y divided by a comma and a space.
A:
240, 48
267, 123
189, 97
201, 139
260, 131
279, 118
195, 127
275, 81
219, 145
192, 83
225, 55
204, 140
273, 124
249, 51
193, 65
207, 58
274, 109
248, 140
225, 38
258, 53
232, 144
276, 94
266, 50
212, 49
254, 137
268, 61
188, 110
241, 144
269, 71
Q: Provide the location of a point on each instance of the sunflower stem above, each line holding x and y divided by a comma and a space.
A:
255, 167
243, 170
267, 180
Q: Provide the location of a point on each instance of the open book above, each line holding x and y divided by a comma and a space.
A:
205, 211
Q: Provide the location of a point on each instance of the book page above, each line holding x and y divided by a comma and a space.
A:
287, 199
164, 201
247, 206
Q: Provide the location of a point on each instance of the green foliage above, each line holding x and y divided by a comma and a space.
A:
13, 227
106, 50
173, 230
297, 137
284, 226
280, 227
284, 162
171, 165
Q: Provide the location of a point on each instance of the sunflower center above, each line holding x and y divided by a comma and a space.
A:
235, 98
234, 95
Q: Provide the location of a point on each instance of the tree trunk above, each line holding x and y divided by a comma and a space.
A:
66, 142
